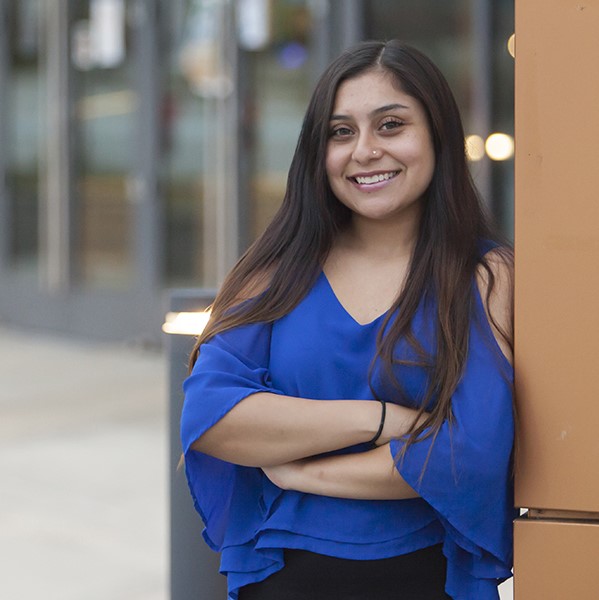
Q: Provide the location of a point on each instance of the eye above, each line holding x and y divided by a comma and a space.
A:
340, 132
391, 123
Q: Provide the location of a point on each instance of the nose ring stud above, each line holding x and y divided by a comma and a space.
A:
374, 152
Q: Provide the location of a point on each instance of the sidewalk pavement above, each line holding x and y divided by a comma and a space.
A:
83, 470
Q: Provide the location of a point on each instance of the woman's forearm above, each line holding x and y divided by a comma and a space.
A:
269, 429
365, 476
266, 429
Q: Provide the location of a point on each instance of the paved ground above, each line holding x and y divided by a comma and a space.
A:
83, 479
83, 470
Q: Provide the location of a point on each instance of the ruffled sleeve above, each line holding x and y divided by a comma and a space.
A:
468, 475
231, 366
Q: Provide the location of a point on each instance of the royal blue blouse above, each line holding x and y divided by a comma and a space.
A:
319, 351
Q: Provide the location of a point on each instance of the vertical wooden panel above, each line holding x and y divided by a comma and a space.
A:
556, 561
557, 253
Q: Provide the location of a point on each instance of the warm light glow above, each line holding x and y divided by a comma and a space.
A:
500, 146
185, 323
511, 45
475, 147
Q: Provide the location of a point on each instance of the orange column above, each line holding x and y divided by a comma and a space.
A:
557, 299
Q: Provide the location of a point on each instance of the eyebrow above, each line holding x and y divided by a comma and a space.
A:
376, 111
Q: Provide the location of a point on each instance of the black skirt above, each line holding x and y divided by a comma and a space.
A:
418, 575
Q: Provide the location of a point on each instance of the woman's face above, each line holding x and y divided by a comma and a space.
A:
380, 156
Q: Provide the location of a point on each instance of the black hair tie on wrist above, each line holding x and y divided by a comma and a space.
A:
377, 435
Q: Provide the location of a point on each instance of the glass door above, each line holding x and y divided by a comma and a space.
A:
79, 225
104, 120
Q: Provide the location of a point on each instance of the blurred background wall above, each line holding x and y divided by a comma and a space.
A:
145, 143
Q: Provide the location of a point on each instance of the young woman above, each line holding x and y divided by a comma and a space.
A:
348, 425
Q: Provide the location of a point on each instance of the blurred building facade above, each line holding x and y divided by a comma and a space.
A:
145, 143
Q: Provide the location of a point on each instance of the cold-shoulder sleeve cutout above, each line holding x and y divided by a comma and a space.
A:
231, 366
468, 475
500, 307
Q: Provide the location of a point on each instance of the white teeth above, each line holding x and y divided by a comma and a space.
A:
376, 178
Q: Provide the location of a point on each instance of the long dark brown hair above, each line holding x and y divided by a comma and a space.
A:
281, 266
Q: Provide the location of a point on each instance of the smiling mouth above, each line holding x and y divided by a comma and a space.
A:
370, 179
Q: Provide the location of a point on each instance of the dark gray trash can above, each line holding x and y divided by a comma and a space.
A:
193, 566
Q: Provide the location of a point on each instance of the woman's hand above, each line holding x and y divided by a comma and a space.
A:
367, 475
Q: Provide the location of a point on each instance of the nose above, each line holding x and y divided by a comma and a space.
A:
366, 149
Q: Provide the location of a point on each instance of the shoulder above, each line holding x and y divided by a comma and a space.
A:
495, 280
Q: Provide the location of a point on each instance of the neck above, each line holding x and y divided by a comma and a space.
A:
387, 239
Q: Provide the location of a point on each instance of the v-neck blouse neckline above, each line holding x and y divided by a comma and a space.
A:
344, 310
